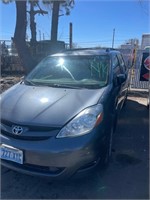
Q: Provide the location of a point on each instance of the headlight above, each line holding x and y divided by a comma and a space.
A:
83, 123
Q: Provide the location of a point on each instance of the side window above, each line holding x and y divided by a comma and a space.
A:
116, 65
122, 63
115, 61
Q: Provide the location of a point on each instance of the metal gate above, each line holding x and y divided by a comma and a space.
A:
135, 82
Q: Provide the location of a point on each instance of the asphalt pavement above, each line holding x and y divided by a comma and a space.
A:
127, 176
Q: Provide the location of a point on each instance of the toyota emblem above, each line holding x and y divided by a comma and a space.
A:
17, 130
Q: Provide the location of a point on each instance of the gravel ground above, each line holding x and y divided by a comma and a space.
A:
8, 81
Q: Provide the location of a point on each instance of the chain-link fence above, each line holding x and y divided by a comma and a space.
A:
10, 61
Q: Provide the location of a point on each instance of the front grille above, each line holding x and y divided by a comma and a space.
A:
52, 170
33, 138
36, 168
29, 132
30, 127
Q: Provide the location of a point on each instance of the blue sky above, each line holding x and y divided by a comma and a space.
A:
93, 22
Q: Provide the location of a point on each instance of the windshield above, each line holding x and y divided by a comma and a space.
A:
71, 71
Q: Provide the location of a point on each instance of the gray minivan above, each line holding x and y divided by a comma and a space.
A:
59, 121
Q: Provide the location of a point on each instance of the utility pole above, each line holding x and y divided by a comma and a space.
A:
70, 35
113, 38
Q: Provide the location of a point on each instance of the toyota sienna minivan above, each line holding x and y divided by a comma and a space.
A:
59, 120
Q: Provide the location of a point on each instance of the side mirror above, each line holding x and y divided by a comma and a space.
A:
121, 78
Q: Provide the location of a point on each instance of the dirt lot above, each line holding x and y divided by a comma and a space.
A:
127, 176
7, 81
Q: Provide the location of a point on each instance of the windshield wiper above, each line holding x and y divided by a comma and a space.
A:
52, 85
96, 86
29, 82
64, 86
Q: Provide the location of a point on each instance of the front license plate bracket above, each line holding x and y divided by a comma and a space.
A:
10, 153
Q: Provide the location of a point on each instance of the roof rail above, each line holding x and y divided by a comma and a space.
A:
87, 48
109, 49
91, 48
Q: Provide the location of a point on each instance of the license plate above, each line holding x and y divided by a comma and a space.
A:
11, 153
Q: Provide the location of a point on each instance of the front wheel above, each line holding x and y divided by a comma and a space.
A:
107, 149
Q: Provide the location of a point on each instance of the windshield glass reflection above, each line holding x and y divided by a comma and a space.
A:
71, 71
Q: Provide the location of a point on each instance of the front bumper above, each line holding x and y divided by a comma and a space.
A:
56, 158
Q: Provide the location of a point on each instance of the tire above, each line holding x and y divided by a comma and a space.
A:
115, 120
107, 149
125, 100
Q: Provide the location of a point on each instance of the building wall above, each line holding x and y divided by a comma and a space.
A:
145, 41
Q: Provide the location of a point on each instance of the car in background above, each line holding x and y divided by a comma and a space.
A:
59, 121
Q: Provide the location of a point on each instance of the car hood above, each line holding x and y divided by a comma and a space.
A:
47, 106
